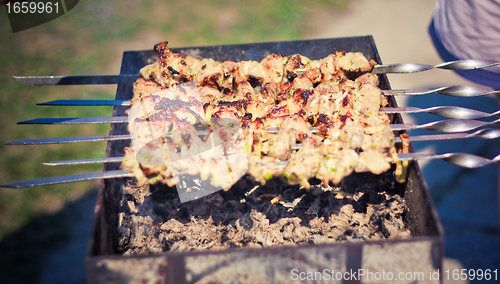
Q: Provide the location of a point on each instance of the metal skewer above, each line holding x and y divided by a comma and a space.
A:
63, 140
459, 159
399, 68
450, 125
76, 120
84, 161
443, 111
482, 134
124, 78
70, 178
86, 103
466, 91
453, 91
77, 80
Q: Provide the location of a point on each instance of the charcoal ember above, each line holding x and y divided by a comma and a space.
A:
161, 213
290, 194
246, 222
135, 233
184, 214
361, 200
153, 220
135, 194
377, 221
274, 214
217, 200
332, 206
161, 194
124, 231
290, 230
314, 208
128, 206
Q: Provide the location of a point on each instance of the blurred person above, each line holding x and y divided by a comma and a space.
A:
469, 29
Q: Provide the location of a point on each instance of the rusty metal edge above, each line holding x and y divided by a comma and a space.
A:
175, 271
104, 247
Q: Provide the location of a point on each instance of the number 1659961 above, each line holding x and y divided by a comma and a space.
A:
32, 7
471, 274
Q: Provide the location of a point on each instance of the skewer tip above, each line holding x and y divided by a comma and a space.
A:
9, 185
19, 78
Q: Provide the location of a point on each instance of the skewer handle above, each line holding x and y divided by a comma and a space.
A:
401, 68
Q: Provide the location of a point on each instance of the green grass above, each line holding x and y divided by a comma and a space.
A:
91, 39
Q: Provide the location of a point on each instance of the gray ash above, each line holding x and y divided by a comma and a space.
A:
363, 207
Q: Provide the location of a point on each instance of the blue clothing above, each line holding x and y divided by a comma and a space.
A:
479, 76
469, 29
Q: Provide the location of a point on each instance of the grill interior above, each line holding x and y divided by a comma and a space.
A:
105, 260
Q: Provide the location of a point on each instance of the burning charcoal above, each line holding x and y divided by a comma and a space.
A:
161, 194
161, 212
224, 237
216, 200
129, 197
359, 206
135, 194
274, 214
290, 195
128, 206
362, 198
333, 207
377, 221
244, 218
234, 205
124, 233
314, 208
165, 244
306, 201
289, 227
246, 222
230, 220
203, 209
184, 214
